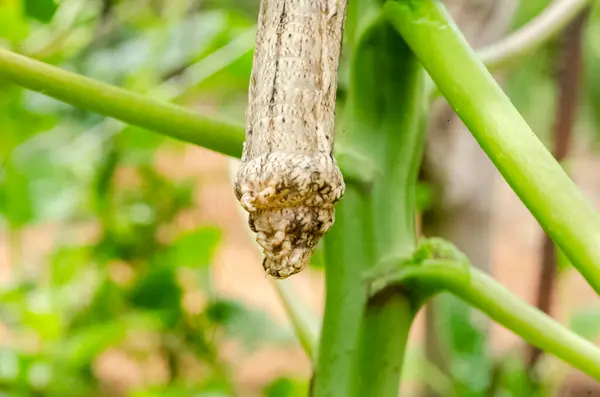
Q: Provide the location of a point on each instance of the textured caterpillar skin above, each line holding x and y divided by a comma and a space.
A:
289, 180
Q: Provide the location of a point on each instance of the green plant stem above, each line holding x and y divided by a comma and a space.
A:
547, 25
532, 172
363, 342
386, 327
347, 252
485, 293
220, 136
175, 87
389, 316
126, 106
304, 323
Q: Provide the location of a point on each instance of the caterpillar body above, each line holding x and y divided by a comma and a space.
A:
289, 180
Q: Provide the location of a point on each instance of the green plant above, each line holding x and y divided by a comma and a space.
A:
378, 272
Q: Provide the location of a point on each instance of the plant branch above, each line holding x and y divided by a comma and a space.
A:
347, 253
489, 296
536, 177
548, 24
569, 66
376, 218
85, 93
178, 84
216, 135
304, 323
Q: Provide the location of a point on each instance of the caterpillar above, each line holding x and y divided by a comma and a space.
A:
289, 180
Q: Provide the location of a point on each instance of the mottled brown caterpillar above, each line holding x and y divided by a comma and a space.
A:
289, 180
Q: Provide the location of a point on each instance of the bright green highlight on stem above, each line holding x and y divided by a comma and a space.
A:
539, 181
485, 293
123, 105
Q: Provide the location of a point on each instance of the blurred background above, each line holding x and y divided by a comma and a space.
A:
126, 266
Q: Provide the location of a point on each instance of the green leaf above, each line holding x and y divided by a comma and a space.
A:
15, 196
466, 343
138, 145
513, 379
252, 327
586, 323
85, 344
424, 196
418, 368
180, 390
287, 387
160, 292
66, 262
12, 25
108, 302
195, 249
42, 10
47, 323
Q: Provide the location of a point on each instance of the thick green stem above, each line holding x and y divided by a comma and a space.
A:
485, 293
129, 107
539, 181
362, 348
347, 254
397, 112
386, 326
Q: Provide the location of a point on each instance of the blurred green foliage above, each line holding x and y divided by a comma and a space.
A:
121, 290
88, 297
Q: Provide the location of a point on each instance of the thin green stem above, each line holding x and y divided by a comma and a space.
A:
175, 87
547, 25
565, 214
221, 136
485, 293
126, 106
304, 323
